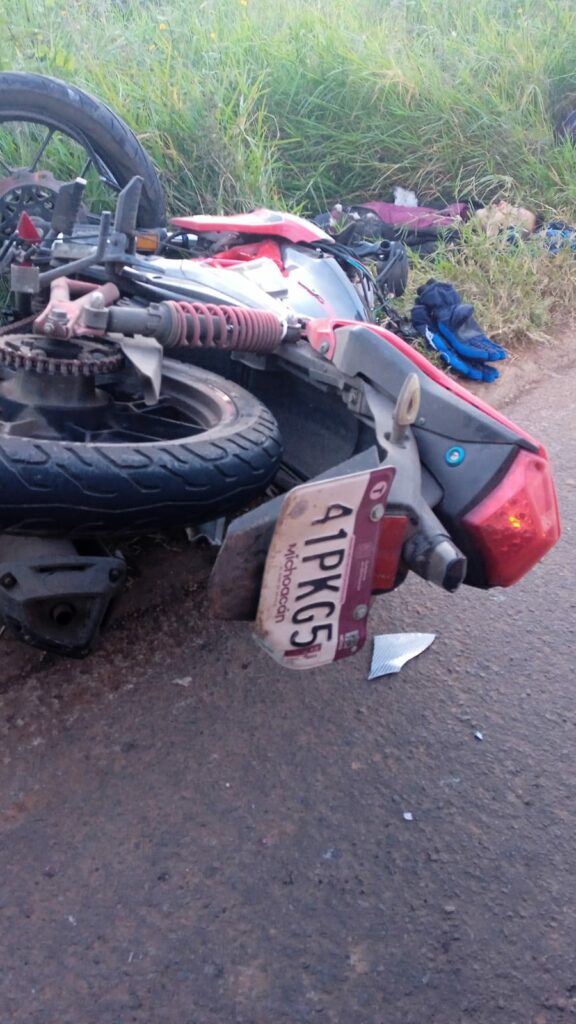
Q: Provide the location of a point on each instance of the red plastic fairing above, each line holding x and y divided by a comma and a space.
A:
321, 330
518, 522
246, 253
259, 222
322, 334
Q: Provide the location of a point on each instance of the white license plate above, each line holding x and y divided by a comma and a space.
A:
317, 582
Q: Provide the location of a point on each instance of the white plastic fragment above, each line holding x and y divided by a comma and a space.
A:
184, 681
405, 197
393, 650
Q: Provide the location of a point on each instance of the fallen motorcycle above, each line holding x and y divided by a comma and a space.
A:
224, 374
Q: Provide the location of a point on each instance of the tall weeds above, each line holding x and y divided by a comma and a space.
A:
242, 101
245, 102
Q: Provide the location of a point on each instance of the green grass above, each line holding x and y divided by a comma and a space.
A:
521, 293
245, 102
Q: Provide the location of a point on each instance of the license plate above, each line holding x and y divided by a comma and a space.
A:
318, 577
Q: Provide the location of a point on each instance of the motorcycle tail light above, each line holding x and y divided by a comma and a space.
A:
518, 522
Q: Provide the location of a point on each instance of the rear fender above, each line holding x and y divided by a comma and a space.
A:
467, 447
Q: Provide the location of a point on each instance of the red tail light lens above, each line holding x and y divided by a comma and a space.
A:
518, 522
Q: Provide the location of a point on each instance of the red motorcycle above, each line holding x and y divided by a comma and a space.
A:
224, 374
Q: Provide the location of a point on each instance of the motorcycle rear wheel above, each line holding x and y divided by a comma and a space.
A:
208, 448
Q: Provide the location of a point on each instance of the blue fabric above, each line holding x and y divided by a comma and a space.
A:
448, 326
559, 235
478, 346
476, 371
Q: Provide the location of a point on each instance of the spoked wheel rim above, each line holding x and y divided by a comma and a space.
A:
37, 156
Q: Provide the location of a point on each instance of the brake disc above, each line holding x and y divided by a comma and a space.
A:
33, 192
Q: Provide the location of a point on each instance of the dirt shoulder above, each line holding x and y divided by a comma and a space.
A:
527, 368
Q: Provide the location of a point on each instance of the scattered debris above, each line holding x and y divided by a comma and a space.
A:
418, 227
212, 531
332, 853
184, 681
405, 197
393, 650
458, 342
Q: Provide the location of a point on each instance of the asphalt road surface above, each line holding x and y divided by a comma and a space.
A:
190, 835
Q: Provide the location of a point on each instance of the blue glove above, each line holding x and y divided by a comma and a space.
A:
454, 319
472, 370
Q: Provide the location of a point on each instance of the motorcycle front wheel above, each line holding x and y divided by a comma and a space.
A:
51, 132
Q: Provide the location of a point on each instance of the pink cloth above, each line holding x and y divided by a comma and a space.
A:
417, 218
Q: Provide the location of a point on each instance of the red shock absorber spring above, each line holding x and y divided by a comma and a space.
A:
226, 327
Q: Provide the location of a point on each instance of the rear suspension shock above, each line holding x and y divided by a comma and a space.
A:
227, 327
